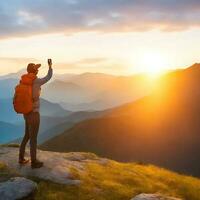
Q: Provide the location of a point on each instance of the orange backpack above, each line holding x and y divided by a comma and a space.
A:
23, 97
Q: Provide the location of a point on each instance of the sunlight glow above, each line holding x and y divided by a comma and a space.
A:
154, 64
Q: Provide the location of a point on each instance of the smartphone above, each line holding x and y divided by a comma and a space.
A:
49, 61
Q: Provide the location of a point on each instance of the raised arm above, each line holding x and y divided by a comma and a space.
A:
49, 75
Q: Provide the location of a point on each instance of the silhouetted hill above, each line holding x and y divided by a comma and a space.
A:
50, 127
83, 115
52, 109
53, 131
53, 126
162, 128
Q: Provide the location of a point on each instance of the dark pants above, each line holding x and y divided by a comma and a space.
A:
32, 124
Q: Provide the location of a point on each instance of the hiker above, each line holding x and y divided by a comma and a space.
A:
27, 102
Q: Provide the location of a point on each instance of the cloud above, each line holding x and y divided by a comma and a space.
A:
29, 17
17, 59
92, 61
13, 64
91, 64
85, 63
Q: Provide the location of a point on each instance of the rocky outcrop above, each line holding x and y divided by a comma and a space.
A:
17, 188
153, 197
58, 167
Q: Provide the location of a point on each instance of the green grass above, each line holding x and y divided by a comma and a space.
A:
10, 145
6, 173
118, 181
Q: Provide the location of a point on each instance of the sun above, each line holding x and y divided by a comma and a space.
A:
153, 64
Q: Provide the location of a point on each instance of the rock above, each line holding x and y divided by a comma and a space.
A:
153, 197
57, 166
17, 188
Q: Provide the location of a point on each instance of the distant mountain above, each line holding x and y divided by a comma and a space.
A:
54, 131
59, 91
88, 91
7, 87
112, 90
8, 83
16, 75
51, 115
85, 79
49, 126
96, 91
83, 115
53, 126
94, 80
49, 122
64, 77
91, 106
9, 132
8, 114
52, 109
162, 128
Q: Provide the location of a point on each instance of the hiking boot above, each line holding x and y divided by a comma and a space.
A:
23, 161
36, 164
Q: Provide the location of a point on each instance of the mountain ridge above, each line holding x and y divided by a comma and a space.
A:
149, 130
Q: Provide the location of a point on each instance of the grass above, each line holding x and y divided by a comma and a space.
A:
119, 181
14, 145
6, 173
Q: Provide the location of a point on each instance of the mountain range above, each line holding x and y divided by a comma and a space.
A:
53, 126
60, 91
88, 91
87, 95
96, 91
161, 128
149, 129
51, 115
8, 114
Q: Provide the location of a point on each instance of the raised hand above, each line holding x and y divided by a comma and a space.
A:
50, 63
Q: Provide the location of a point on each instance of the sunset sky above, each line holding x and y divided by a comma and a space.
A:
109, 36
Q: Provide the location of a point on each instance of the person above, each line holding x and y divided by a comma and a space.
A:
32, 119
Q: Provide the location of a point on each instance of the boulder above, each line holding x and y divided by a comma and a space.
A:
153, 197
17, 188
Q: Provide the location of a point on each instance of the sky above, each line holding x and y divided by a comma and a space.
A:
107, 36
